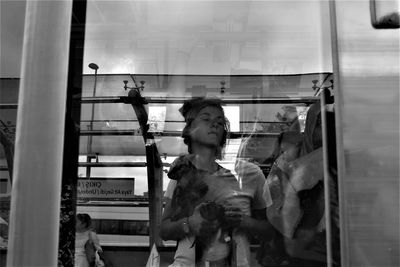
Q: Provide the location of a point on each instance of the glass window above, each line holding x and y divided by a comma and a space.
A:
371, 169
266, 62
12, 28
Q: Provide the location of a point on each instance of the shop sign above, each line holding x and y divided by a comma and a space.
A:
106, 188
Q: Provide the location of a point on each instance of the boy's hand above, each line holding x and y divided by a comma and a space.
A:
200, 226
233, 216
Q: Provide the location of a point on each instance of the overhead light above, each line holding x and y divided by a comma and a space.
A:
93, 66
222, 87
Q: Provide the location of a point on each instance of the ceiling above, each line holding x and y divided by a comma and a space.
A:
208, 37
216, 37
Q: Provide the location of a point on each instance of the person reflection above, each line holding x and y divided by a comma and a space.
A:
84, 232
208, 211
296, 186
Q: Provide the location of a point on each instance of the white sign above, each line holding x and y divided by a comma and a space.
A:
106, 188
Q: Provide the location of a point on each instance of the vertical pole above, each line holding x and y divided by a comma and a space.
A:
95, 67
154, 180
90, 138
327, 196
154, 167
66, 240
344, 235
36, 192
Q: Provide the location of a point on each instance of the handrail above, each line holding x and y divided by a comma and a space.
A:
120, 164
179, 100
137, 132
117, 164
182, 121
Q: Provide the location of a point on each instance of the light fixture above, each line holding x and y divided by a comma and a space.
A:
317, 88
222, 87
141, 87
93, 66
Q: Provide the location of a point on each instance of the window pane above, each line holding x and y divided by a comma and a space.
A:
267, 62
12, 28
370, 145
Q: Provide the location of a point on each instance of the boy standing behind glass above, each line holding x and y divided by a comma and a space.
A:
209, 211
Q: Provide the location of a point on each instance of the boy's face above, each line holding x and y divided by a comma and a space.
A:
208, 127
79, 225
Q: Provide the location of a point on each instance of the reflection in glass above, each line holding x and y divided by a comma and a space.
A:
258, 57
385, 14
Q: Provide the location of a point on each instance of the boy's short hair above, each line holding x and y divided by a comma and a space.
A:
85, 218
191, 109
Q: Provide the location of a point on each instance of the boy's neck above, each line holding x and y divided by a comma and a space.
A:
205, 158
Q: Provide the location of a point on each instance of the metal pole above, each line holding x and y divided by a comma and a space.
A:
94, 67
38, 162
326, 181
339, 125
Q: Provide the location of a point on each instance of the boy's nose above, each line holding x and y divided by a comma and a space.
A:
214, 122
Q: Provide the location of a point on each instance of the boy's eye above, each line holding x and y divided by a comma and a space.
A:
206, 119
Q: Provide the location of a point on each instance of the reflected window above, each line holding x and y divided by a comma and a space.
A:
233, 115
259, 59
12, 29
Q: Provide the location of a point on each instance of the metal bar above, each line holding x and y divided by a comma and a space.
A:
154, 183
339, 102
180, 100
178, 121
131, 120
89, 144
112, 164
136, 132
117, 164
9, 106
154, 165
88, 159
100, 99
327, 178
176, 100
270, 122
